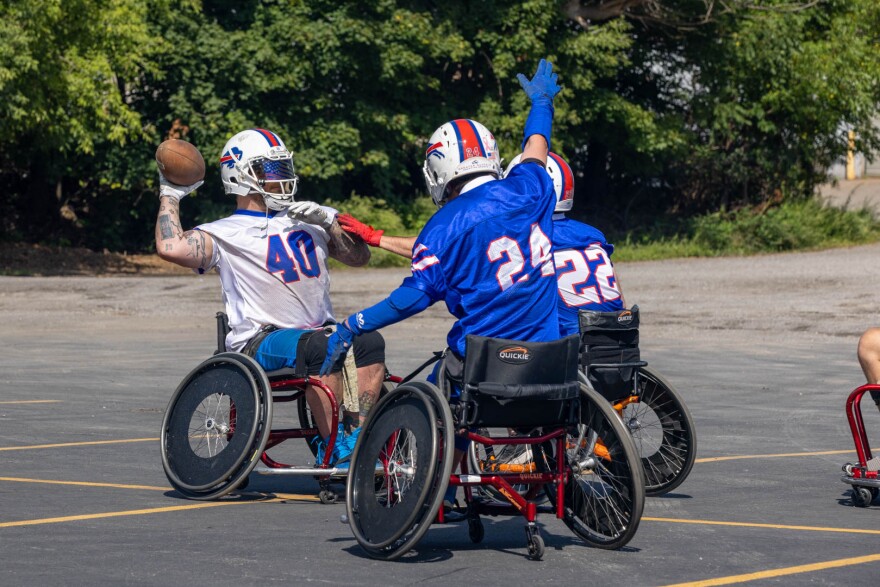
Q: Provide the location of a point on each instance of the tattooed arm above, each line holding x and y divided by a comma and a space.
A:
351, 251
192, 248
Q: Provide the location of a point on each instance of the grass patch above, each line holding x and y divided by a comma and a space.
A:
790, 226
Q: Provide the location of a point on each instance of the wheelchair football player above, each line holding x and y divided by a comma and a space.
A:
403, 460
217, 428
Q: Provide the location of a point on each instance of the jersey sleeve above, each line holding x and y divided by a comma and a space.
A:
531, 181
427, 273
215, 249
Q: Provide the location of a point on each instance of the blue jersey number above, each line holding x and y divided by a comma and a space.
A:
298, 257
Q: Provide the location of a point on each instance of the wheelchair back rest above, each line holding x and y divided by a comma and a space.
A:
517, 383
222, 331
610, 351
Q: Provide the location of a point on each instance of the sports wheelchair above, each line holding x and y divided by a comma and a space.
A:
217, 428
863, 475
655, 415
587, 464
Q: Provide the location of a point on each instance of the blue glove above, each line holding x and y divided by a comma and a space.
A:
541, 90
543, 84
337, 346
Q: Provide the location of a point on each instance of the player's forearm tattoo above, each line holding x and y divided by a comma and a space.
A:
346, 249
165, 227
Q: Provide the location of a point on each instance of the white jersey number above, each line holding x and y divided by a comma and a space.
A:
539, 254
574, 267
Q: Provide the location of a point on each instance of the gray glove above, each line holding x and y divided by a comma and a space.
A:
311, 213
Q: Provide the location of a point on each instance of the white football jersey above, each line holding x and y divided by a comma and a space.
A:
272, 270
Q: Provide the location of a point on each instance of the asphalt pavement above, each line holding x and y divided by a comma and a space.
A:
762, 349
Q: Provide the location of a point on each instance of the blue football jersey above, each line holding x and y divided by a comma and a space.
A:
584, 273
488, 255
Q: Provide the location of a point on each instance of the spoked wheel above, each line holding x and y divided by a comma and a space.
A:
503, 458
663, 433
400, 469
605, 494
215, 426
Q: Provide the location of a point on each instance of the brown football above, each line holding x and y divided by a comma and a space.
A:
180, 162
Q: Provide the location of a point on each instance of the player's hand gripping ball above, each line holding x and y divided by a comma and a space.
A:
180, 162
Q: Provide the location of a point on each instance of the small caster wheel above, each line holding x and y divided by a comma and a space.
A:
327, 496
862, 496
536, 547
476, 532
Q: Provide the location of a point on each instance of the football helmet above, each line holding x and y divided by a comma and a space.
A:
256, 160
563, 180
457, 149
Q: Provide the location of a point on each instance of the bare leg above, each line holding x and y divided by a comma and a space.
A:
320, 405
370, 380
869, 354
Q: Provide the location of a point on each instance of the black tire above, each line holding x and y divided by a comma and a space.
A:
407, 433
862, 496
605, 495
663, 433
205, 452
536, 547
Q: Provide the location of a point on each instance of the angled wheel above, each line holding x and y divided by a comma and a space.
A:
663, 433
216, 426
399, 471
605, 494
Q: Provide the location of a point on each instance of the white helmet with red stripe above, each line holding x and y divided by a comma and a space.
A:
563, 180
256, 160
457, 149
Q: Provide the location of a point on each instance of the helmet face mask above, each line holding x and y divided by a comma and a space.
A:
457, 149
562, 176
256, 160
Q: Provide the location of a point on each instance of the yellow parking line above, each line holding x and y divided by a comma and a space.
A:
66, 444
84, 483
276, 498
756, 525
776, 456
175, 508
33, 401
844, 562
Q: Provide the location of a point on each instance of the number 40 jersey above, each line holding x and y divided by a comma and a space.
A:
273, 270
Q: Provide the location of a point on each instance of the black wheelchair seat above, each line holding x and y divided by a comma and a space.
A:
515, 383
610, 351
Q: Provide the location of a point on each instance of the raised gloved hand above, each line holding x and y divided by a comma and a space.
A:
337, 346
310, 213
541, 90
352, 225
542, 85
174, 191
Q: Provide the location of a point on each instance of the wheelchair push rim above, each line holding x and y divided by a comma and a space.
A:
216, 426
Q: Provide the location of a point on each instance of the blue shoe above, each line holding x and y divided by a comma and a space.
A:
322, 446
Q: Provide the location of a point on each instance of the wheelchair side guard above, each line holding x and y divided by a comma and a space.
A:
216, 426
389, 511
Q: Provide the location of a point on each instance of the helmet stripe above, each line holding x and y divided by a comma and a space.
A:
269, 136
567, 177
467, 134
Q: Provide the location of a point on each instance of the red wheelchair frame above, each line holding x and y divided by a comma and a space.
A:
863, 475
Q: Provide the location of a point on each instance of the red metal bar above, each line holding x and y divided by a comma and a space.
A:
857, 424
515, 439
